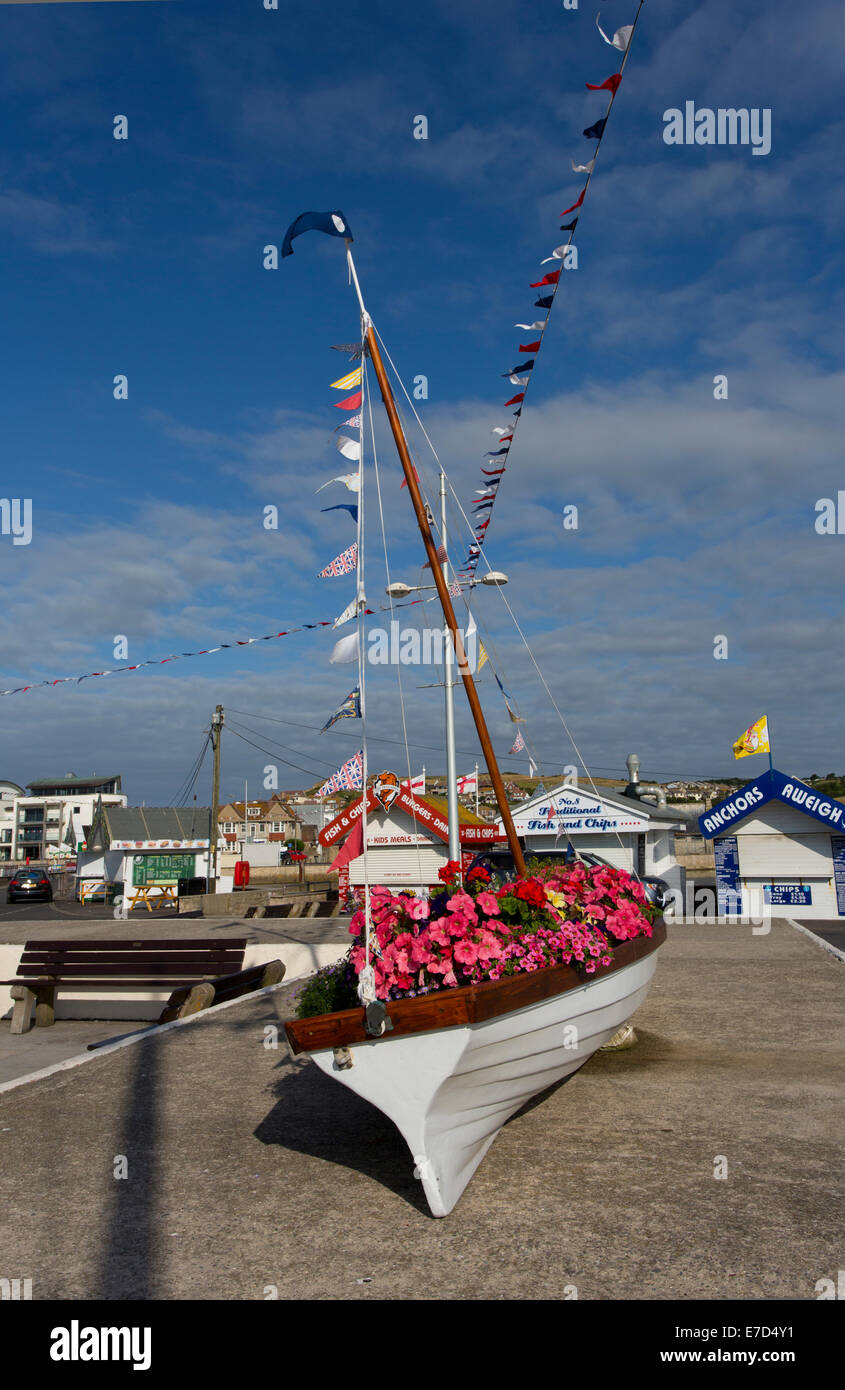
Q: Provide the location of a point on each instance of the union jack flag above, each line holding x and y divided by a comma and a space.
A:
518, 743
348, 777
342, 564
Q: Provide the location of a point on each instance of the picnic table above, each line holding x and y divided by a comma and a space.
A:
165, 893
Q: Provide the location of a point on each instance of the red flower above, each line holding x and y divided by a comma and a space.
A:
449, 873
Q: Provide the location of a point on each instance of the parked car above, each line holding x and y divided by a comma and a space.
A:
27, 885
500, 864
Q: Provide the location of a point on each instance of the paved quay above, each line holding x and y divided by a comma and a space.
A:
251, 1173
144, 926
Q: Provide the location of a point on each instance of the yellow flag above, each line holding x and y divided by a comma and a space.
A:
754, 740
482, 656
351, 379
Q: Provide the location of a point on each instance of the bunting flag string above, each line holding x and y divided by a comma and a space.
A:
521, 375
207, 651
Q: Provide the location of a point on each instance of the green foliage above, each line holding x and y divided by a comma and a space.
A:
333, 988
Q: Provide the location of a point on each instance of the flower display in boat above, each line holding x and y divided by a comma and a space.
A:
572, 915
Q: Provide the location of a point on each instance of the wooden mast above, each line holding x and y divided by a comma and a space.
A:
440, 585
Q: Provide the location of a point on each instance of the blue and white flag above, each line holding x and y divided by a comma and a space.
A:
350, 709
332, 223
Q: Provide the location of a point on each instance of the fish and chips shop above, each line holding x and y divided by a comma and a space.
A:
780, 849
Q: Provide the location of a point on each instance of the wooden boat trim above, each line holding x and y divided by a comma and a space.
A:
452, 1008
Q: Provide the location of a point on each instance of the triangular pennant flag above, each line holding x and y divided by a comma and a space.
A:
550, 279
519, 380
620, 39
355, 350
579, 200
569, 226
482, 656
349, 612
610, 84
345, 383
501, 429
583, 168
342, 563
349, 507
545, 302
351, 403
515, 718
530, 347
520, 396
350, 480
354, 422
538, 323
350, 448
594, 132
345, 651
332, 223
349, 776
350, 709
518, 743
405, 480
558, 254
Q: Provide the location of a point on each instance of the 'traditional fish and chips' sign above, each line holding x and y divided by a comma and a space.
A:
574, 812
771, 786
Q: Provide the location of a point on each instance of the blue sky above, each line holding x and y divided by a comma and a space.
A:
145, 257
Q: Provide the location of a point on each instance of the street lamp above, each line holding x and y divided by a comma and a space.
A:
494, 579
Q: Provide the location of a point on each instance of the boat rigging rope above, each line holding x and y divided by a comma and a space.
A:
467, 522
390, 597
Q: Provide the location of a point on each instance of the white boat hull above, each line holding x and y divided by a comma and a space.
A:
450, 1091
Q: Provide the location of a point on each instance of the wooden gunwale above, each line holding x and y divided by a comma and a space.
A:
452, 1008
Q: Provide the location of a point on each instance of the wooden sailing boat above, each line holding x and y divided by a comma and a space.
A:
451, 1067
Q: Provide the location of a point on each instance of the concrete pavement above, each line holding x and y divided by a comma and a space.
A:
251, 1174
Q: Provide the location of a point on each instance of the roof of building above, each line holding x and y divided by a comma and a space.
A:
275, 803
157, 822
71, 781
465, 816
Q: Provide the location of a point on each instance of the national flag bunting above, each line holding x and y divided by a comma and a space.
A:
342, 563
349, 776
350, 403
518, 743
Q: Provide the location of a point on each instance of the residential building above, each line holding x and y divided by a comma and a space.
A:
272, 821
9, 793
55, 815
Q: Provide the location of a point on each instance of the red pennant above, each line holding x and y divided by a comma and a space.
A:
492, 472
526, 347
610, 84
514, 400
576, 204
416, 478
351, 403
550, 279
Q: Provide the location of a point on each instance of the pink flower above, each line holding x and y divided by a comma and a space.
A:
489, 904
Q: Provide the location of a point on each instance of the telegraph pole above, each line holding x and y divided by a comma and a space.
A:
216, 733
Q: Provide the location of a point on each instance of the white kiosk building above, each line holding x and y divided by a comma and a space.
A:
623, 828
778, 844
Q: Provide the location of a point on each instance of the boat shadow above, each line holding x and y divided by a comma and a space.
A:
316, 1117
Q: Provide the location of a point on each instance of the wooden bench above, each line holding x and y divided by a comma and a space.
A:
198, 972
